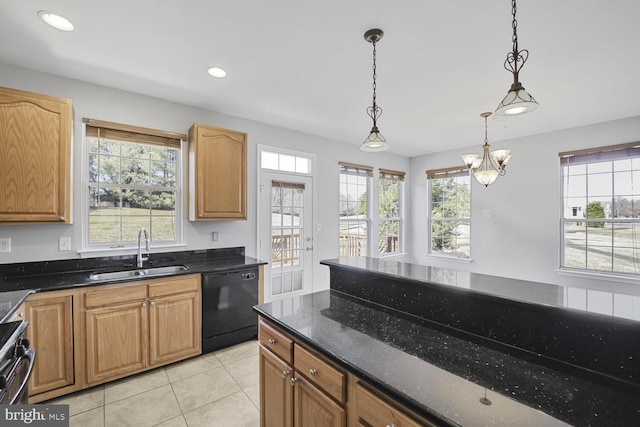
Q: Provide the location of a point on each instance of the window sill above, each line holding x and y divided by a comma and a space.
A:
128, 250
598, 276
450, 258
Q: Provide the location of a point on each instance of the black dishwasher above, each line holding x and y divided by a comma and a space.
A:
228, 298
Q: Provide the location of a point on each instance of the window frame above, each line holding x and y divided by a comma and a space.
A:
353, 169
596, 155
398, 177
147, 136
446, 173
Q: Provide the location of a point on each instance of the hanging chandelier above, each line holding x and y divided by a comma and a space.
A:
375, 141
518, 100
486, 169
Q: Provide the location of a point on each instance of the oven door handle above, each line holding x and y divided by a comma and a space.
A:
31, 356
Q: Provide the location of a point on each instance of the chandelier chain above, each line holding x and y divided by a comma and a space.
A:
374, 79
514, 24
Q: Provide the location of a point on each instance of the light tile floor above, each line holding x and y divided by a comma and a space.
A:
215, 389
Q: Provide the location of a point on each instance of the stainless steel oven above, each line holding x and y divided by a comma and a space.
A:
16, 363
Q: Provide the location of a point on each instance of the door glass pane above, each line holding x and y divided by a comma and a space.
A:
286, 253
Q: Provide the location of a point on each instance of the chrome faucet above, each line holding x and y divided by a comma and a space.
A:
141, 258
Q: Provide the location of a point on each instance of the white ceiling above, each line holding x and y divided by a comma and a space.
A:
305, 65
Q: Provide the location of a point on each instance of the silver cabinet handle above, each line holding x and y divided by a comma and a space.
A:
61, 218
144, 304
391, 425
293, 381
153, 303
313, 372
201, 215
271, 341
285, 374
21, 314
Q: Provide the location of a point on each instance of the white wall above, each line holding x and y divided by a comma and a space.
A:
521, 238
40, 242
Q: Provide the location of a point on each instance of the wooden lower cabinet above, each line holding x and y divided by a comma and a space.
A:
115, 341
276, 391
312, 407
175, 326
134, 327
50, 333
308, 390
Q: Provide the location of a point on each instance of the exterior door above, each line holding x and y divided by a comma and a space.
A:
286, 233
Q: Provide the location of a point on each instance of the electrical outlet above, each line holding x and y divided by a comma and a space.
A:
214, 236
64, 244
5, 244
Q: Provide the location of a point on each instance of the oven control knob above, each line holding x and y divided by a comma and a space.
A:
24, 342
20, 351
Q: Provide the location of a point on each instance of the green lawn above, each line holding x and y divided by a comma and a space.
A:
106, 225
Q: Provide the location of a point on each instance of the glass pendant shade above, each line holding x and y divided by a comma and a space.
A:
374, 142
516, 102
486, 177
501, 157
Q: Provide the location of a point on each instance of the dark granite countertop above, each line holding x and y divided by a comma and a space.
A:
495, 286
443, 373
18, 280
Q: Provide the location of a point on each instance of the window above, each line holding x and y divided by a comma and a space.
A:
450, 211
601, 209
354, 209
133, 182
389, 211
285, 162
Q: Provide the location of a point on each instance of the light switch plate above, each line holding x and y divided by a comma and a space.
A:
5, 244
64, 244
214, 236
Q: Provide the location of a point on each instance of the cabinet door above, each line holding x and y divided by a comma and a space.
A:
175, 327
35, 156
116, 341
276, 391
313, 408
218, 173
50, 333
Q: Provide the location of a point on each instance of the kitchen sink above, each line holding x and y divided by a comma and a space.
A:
141, 272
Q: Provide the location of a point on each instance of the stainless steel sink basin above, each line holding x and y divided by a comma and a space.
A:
141, 272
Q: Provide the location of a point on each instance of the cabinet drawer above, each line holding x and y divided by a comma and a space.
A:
173, 285
325, 376
275, 341
107, 295
376, 412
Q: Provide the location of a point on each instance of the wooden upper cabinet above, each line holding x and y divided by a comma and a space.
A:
217, 173
35, 157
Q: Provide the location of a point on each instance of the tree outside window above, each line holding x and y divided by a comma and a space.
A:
389, 211
450, 212
354, 209
131, 185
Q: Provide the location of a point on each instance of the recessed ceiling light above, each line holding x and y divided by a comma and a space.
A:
56, 21
217, 72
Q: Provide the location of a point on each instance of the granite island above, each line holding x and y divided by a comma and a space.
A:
455, 356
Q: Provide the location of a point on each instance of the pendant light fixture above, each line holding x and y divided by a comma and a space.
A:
375, 141
518, 100
487, 169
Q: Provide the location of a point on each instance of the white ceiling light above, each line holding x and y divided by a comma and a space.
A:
486, 169
56, 21
217, 72
518, 101
375, 141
